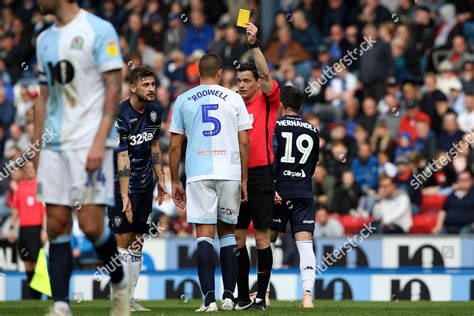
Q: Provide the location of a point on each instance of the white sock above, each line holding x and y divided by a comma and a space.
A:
135, 266
307, 264
124, 258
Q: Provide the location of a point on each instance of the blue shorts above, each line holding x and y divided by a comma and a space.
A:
299, 211
141, 208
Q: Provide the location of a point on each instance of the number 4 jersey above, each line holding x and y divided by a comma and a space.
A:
211, 116
71, 60
297, 155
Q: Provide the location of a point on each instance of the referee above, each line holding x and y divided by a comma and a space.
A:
32, 217
261, 95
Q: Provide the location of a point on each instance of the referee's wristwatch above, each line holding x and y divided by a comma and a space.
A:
254, 45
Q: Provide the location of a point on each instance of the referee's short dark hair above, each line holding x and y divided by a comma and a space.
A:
209, 65
249, 66
291, 98
139, 73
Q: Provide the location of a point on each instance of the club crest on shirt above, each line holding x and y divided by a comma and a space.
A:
153, 116
77, 43
117, 221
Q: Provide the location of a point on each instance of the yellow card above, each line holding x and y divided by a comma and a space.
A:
244, 17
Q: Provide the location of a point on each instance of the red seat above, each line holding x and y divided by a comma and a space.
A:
432, 203
353, 224
423, 223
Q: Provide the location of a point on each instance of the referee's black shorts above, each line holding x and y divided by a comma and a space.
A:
29, 242
261, 194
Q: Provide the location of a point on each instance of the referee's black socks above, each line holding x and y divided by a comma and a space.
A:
243, 274
264, 271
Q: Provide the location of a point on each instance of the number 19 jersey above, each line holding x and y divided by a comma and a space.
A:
297, 155
211, 116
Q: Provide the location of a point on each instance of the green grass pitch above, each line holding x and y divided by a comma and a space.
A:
287, 308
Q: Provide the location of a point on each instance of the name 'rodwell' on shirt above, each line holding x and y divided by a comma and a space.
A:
204, 93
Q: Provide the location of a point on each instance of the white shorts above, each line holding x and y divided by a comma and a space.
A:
210, 200
63, 179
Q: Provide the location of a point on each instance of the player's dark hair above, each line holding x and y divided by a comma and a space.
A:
209, 65
249, 66
291, 98
140, 73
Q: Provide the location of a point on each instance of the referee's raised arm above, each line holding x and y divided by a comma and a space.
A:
262, 68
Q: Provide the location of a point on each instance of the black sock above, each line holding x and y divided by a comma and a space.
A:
264, 270
60, 267
206, 264
34, 294
228, 258
106, 248
243, 274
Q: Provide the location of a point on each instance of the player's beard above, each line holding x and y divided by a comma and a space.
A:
145, 98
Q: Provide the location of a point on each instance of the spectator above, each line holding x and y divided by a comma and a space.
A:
232, 49
385, 166
174, 34
456, 98
441, 109
467, 76
155, 33
431, 94
370, 12
405, 145
315, 92
134, 28
199, 35
147, 53
351, 116
365, 168
281, 22
159, 62
424, 30
7, 111
392, 211
369, 115
347, 194
405, 11
447, 77
13, 55
456, 56
323, 185
404, 179
392, 116
338, 45
373, 75
341, 88
450, 133
448, 28
412, 116
175, 70
339, 161
285, 49
31, 215
326, 226
352, 40
361, 135
287, 76
466, 119
381, 139
457, 216
335, 12
17, 139
305, 33
339, 132
425, 143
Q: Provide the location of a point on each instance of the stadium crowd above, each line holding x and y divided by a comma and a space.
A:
389, 83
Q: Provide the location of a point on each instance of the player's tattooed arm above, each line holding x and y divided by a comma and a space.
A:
123, 171
158, 168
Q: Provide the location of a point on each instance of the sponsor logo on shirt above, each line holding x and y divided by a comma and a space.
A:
294, 174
